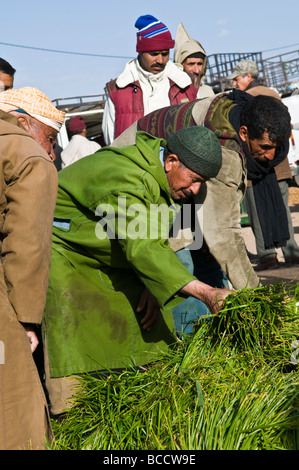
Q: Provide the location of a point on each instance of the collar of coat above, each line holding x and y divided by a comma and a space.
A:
133, 73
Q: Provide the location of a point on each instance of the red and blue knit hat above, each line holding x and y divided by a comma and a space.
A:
153, 35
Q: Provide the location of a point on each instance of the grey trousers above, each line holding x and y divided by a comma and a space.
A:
291, 249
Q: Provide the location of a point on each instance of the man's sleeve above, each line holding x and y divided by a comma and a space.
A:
141, 229
221, 221
108, 124
26, 250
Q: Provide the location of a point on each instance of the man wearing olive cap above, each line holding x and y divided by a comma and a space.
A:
245, 77
114, 278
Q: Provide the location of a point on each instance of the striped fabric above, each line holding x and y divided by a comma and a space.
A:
153, 35
166, 121
153, 29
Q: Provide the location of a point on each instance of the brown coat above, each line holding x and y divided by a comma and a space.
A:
28, 188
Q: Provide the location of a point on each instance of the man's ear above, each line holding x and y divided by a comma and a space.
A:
243, 133
171, 162
23, 120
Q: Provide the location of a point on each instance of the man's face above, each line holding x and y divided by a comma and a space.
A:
183, 182
154, 61
262, 149
194, 65
6, 81
43, 134
242, 83
46, 137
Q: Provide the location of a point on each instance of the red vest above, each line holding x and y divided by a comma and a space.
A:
128, 102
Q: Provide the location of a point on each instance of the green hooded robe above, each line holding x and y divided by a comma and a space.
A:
99, 267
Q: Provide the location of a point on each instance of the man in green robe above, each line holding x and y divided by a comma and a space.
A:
114, 278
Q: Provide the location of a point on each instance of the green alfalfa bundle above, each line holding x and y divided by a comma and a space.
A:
263, 321
212, 391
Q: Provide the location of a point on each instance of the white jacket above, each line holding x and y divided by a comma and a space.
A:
78, 147
155, 89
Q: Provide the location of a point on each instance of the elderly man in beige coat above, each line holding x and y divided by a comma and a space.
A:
28, 127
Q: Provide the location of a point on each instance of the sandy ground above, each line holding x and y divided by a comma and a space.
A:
283, 273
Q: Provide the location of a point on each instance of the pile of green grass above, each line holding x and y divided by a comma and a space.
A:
233, 385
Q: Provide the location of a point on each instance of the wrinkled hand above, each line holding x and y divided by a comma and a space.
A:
152, 309
211, 296
196, 80
214, 298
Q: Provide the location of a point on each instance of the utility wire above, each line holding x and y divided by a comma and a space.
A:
103, 55
283, 47
64, 52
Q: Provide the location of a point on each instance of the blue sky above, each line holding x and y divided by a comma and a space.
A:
105, 28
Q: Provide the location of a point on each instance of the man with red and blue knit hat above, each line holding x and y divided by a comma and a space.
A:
148, 82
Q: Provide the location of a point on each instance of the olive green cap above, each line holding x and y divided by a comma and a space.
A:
198, 149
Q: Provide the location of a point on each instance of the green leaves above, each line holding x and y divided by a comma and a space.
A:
231, 386
262, 321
